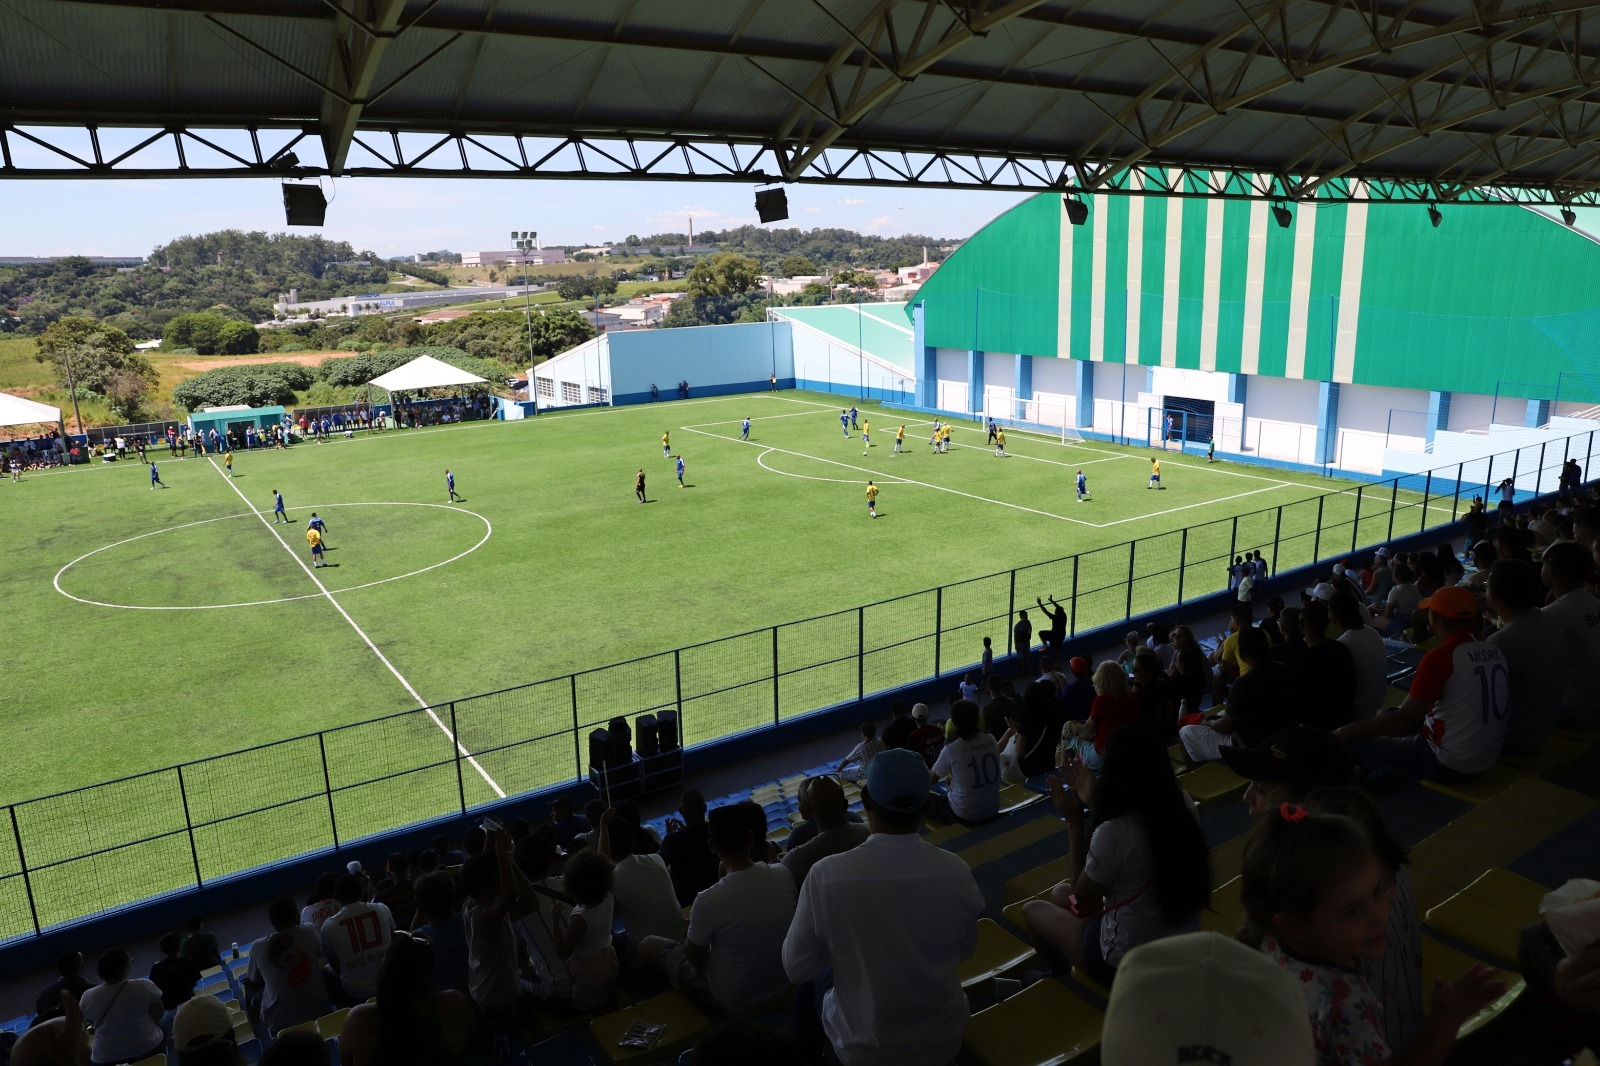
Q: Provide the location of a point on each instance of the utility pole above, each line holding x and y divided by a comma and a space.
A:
72, 387
527, 241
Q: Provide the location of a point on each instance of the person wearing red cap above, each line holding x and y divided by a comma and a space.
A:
1453, 721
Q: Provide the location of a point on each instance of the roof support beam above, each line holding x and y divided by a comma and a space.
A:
355, 51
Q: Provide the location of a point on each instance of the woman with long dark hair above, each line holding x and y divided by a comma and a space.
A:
1145, 872
411, 1022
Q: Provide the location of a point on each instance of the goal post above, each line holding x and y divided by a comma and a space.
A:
1046, 415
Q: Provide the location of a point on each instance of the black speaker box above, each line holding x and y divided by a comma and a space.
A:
647, 738
667, 729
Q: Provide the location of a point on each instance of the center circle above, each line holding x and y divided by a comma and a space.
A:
406, 544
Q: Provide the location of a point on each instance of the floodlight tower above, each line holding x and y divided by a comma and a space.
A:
527, 242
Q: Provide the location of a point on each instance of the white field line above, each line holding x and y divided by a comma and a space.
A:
1203, 503
766, 448
382, 658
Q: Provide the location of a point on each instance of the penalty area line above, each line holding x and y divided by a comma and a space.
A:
384, 659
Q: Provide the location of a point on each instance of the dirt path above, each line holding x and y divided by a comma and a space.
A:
301, 358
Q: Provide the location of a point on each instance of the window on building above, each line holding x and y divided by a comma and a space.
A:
571, 392
597, 394
547, 388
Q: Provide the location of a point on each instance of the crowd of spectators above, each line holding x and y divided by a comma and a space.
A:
858, 927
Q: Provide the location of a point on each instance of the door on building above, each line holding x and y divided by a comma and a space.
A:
1192, 419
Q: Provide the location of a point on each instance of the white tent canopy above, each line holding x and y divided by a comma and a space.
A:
424, 372
18, 411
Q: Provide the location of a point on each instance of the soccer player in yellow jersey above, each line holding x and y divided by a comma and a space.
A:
944, 439
1155, 474
866, 437
999, 441
872, 500
314, 538
899, 441
666, 445
227, 461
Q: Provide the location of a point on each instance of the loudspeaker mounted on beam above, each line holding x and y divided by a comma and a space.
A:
304, 205
772, 205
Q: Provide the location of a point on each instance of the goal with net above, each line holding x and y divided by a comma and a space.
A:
1046, 415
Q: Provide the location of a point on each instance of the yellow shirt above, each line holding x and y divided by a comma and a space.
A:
313, 538
872, 493
900, 434
945, 432
866, 427
664, 440
1155, 468
1000, 437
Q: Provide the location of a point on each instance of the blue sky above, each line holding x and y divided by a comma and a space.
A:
398, 216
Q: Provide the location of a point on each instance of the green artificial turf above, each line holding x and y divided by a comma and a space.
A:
203, 633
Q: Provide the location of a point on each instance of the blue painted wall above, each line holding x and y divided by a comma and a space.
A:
714, 359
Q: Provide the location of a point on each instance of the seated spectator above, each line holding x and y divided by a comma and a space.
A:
475, 841
687, 848
202, 1034
1325, 674
1028, 746
854, 766
1483, 557
1114, 706
174, 974
761, 849
732, 955
927, 740
971, 762
123, 1012
540, 928
438, 919
1401, 601
586, 941
1262, 702
1453, 719
1566, 567
1157, 709
412, 1021
62, 1040
322, 905
1078, 696
1538, 663
1368, 655
1001, 706
354, 941
1269, 624
969, 688
394, 890
198, 944
1564, 991
1131, 643
69, 965
646, 904
301, 1048
879, 934
448, 856
567, 825
1316, 899
492, 898
1189, 674
1158, 638
897, 734
1225, 659
283, 985
835, 831
646, 841
1145, 873
1293, 644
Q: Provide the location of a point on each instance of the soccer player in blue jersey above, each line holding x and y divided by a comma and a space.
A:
844, 422
680, 470
320, 526
744, 430
278, 514
155, 477
450, 484
1083, 486
853, 423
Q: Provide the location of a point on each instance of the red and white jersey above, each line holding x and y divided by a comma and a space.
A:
358, 937
1466, 681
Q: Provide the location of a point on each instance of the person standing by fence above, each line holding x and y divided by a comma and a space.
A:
1022, 641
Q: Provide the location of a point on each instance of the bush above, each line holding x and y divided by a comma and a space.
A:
257, 386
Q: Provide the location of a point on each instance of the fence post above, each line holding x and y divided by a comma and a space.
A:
1183, 556
775, 712
1316, 540
861, 647
1277, 532
938, 625
22, 864
1355, 527
1132, 553
327, 788
1516, 460
1538, 480
188, 824
1488, 480
1072, 623
1455, 502
677, 687
1427, 493
455, 751
1011, 604
577, 740
1394, 499
1233, 540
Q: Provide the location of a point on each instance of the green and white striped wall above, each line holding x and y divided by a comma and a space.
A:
1497, 300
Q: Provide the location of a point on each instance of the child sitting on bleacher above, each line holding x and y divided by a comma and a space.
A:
854, 766
586, 939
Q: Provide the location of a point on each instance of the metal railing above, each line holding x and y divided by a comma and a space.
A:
114, 844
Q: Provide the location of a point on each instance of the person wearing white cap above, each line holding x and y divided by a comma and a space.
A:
1201, 997
202, 1033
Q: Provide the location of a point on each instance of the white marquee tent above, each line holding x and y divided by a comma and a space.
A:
424, 372
19, 411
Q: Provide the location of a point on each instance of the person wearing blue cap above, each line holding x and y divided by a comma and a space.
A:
921, 906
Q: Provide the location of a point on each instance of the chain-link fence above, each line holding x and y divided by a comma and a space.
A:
114, 844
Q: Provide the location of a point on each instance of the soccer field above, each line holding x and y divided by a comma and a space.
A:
155, 626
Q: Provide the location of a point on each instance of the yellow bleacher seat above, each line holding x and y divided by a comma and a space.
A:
1445, 962
766, 794
555, 1020
1212, 783
1043, 1025
1039, 880
1557, 754
210, 971
331, 1025
1482, 788
997, 952
1008, 842
1486, 915
684, 1021
1090, 985
303, 1027
779, 835
1012, 912
1014, 798
243, 1032
943, 833
1226, 913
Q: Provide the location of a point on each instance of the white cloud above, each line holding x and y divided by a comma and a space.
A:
851, 201
813, 210
878, 223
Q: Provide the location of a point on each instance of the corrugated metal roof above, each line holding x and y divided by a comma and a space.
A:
1460, 96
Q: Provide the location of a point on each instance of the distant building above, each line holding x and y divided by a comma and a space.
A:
97, 260
607, 250
917, 274
542, 257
